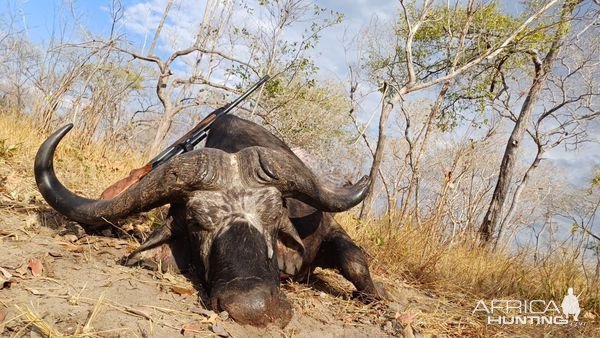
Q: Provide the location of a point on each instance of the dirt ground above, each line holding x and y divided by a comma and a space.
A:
56, 280
62, 281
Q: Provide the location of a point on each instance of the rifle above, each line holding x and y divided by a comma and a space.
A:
184, 144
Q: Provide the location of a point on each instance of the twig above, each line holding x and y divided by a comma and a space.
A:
167, 310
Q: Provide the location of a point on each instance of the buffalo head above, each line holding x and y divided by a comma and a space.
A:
232, 208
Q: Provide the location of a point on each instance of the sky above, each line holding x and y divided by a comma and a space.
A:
39, 18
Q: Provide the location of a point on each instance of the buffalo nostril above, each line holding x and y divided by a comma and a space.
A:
258, 306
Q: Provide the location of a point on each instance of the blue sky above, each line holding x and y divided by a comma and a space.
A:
40, 18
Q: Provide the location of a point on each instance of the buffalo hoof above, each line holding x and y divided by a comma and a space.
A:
159, 258
289, 260
376, 294
257, 307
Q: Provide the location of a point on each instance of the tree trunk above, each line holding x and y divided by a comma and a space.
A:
162, 130
159, 28
494, 213
416, 165
166, 120
517, 194
386, 108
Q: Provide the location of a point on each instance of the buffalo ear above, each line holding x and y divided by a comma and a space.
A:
290, 249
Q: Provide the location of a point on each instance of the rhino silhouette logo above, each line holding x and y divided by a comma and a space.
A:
570, 305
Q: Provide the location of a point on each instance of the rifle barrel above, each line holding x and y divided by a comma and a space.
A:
196, 135
242, 97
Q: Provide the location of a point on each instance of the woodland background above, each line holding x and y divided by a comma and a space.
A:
477, 120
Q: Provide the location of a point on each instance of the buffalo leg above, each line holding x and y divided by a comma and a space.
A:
158, 237
338, 251
166, 248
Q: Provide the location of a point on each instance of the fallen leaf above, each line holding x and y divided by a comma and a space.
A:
182, 291
189, 329
589, 315
34, 292
219, 330
131, 248
201, 311
71, 247
36, 267
224, 315
22, 270
5, 279
405, 318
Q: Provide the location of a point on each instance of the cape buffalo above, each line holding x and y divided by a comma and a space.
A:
243, 210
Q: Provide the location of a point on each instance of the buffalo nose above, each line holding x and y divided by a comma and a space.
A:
257, 306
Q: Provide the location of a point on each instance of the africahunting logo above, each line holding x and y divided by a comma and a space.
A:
537, 311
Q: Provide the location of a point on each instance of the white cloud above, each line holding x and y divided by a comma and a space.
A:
142, 19
179, 30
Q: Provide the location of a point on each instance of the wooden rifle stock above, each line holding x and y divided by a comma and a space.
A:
123, 184
137, 174
185, 143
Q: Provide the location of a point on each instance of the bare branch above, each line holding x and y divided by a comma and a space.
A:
490, 54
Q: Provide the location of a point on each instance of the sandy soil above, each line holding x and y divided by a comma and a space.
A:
66, 282
58, 280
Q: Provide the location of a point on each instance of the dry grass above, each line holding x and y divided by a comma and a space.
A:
446, 279
34, 319
86, 169
464, 272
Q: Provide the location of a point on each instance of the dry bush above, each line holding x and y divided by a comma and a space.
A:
85, 169
462, 267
